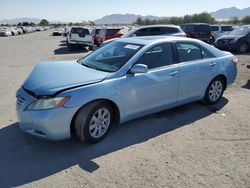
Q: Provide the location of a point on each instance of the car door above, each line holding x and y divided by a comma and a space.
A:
197, 67
157, 89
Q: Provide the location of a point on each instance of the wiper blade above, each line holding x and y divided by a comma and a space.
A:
89, 66
78, 61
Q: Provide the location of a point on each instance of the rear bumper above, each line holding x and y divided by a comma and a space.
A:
81, 43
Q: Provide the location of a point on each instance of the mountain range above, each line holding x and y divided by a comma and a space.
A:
123, 18
19, 20
225, 13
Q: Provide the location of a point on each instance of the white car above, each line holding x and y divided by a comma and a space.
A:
220, 30
58, 31
151, 30
5, 32
14, 31
79, 37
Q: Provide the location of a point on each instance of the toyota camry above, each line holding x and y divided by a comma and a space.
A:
123, 80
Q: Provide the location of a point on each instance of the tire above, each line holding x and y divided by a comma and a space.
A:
213, 40
91, 48
214, 91
88, 123
70, 47
244, 47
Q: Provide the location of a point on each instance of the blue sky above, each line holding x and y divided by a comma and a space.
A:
77, 10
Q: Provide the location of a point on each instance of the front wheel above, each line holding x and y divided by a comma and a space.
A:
214, 91
243, 47
91, 48
94, 121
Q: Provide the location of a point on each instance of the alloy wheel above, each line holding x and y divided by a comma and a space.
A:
215, 90
99, 123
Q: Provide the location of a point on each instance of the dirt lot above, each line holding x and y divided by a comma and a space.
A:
189, 146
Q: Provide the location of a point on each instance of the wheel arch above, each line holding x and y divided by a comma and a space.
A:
224, 79
113, 105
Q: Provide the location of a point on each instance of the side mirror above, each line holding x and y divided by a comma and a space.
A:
139, 68
133, 35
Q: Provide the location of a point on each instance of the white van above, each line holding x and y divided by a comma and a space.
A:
79, 37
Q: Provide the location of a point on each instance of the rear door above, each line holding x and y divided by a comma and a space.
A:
197, 67
154, 90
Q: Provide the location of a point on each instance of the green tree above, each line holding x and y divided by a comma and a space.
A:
246, 20
234, 20
44, 22
139, 21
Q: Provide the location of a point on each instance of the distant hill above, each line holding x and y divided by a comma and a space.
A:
123, 18
19, 20
227, 13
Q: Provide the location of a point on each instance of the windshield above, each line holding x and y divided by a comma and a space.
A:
226, 28
79, 30
214, 28
240, 31
111, 57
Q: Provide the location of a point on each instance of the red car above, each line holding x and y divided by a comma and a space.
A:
108, 33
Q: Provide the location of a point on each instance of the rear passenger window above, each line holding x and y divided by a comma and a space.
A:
168, 30
142, 32
158, 56
206, 53
155, 31
188, 51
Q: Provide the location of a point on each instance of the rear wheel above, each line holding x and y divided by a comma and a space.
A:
93, 122
214, 91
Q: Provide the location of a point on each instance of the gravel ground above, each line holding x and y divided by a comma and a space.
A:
190, 146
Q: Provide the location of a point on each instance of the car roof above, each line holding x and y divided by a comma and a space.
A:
152, 39
195, 24
150, 26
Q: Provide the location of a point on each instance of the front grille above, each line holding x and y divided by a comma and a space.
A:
19, 101
223, 41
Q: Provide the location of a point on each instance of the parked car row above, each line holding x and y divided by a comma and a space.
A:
212, 34
19, 30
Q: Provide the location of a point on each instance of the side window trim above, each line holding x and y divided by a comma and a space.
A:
177, 53
173, 55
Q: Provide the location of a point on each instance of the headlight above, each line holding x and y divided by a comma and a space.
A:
232, 41
48, 103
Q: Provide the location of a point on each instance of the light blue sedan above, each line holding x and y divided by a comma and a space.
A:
126, 79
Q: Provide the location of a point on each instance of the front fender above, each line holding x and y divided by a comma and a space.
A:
107, 89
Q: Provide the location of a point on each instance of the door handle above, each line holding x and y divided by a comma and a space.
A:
212, 64
173, 73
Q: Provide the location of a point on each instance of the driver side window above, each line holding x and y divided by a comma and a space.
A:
158, 56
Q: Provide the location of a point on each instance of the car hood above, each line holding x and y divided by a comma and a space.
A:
230, 36
48, 78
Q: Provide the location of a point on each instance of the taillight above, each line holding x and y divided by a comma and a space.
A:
235, 61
